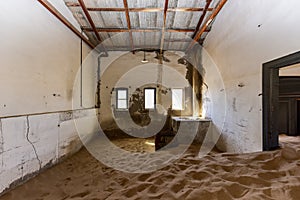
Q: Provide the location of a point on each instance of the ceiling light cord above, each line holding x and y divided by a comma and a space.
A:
144, 60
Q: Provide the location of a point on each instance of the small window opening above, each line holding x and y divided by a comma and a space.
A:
177, 99
122, 98
150, 98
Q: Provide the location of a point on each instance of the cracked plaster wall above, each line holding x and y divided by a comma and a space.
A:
39, 60
31, 143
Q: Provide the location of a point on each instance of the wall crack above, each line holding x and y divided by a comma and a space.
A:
31, 143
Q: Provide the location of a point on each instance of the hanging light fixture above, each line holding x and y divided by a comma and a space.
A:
144, 60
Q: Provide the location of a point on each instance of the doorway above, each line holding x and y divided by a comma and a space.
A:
289, 93
271, 104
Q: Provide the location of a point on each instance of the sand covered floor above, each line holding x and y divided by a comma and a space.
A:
265, 175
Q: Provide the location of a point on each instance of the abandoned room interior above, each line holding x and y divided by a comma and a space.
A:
150, 99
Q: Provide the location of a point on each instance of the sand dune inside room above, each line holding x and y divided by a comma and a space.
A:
264, 175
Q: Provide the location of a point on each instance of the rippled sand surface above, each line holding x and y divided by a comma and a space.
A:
263, 175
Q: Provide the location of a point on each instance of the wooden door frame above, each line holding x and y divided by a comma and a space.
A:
270, 98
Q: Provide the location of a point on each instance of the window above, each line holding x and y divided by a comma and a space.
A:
149, 94
177, 99
122, 98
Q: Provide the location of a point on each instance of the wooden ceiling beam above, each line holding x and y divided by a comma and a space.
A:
128, 23
71, 4
135, 30
165, 11
168, 9
178, 40
188, 9
163, 29
107, 9
61, 18
180, 30
208, 2
145, 9
89, 18
210, 19
106, 29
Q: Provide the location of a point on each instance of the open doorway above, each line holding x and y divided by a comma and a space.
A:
289, 95
280, 101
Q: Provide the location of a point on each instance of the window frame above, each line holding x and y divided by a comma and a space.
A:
117, 98
182, 100
150, 88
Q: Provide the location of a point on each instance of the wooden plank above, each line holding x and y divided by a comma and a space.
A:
106, 9
61, 18
210, 19
145, 9
89, 18
163, 29
208, 2
178, 40
180, 30
169, 9
187, 9
135, 30
106, 29
128, 23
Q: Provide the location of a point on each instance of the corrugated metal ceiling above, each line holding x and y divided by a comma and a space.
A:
146, 19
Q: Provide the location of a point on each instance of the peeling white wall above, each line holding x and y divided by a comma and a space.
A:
245, 35
39, 60
214, 97
127, 71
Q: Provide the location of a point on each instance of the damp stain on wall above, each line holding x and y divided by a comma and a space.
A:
138, 113
195, 79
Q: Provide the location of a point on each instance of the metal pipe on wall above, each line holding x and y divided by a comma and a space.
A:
81, 72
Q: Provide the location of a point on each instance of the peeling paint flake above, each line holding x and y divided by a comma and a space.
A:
80, 114
65, 116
